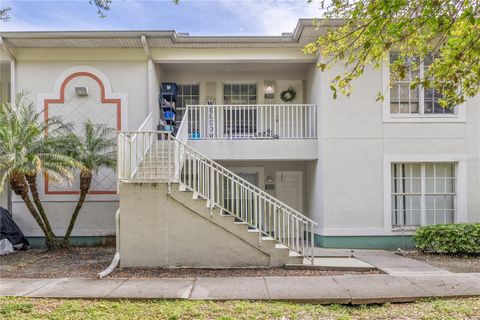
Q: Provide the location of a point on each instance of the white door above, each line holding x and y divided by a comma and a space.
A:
290, 188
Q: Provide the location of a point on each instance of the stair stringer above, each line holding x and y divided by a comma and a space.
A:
157, 230
279, 255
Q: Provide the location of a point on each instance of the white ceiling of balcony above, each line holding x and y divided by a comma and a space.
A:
235, 67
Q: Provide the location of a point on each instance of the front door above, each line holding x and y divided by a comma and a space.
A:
290, 188
250, 177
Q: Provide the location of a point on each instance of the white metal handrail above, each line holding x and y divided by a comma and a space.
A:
171, 160
258, 121
182, 133
145, 156
134, 148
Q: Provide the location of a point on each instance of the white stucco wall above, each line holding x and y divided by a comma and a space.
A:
4, 97
128, 77
315, 183
277, 149
126, 72
354, 141
222, 55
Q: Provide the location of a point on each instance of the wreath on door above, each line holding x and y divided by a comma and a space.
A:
288, 95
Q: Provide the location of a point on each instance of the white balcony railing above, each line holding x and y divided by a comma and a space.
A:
260, 121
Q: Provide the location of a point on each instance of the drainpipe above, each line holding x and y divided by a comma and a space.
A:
13, 69
13, 92
150, 75
116, 258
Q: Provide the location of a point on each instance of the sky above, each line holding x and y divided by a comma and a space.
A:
196, 17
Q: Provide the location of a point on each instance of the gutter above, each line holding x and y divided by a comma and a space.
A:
116, 258
174, 36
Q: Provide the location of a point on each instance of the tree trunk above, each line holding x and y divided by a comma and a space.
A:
19, 186
32, 183
85, 182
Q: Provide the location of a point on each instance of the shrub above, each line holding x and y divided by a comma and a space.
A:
449, 238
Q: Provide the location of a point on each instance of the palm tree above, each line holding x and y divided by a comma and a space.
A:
95, 150
26, 152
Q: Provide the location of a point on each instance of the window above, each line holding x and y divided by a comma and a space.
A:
419, 101
188, 94
240, 121
423, 193
240, 93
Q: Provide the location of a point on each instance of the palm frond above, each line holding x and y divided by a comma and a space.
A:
24, 148
96, 148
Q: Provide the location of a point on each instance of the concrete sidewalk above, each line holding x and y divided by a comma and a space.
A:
385, 261
354, 289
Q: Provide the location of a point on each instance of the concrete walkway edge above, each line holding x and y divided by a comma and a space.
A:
347, 289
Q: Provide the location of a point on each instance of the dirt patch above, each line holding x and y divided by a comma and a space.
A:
87, 262
452, 263
38, 263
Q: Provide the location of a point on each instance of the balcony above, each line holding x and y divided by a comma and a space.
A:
252, 132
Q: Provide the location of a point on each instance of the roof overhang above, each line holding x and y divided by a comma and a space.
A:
305, 32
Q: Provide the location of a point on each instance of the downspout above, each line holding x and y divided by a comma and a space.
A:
150, 71
116, 257
13, 93
13, 69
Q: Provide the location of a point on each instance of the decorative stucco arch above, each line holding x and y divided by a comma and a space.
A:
102, 105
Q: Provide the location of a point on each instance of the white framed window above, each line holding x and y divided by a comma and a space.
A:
239, 93
240, 121
402, 103
188, 94
423, 193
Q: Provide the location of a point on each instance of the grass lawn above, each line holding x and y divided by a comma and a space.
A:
26, 308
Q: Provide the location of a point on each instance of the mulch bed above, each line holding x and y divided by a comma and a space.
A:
452, 263
212, 273
87, 262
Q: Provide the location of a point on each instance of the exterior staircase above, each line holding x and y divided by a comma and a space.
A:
212, 192
158, 163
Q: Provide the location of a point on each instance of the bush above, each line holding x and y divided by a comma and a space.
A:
449, 238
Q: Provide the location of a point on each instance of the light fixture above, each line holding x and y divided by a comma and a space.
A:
81, 91
269, 179
269, 90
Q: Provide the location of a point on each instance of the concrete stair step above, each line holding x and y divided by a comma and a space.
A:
333, 264
294, 254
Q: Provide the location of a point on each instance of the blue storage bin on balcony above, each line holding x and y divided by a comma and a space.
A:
167, 127
169, 115
170, 87
195, 136
169, 91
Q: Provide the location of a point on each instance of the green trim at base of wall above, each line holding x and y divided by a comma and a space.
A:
365, 242
339, 242
87, 241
